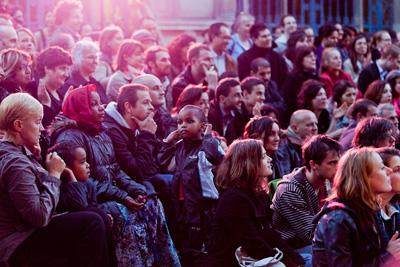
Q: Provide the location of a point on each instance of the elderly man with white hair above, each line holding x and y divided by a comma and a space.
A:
85, 57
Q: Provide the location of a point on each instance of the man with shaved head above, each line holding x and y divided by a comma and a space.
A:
8, 37
303, 124
157, 94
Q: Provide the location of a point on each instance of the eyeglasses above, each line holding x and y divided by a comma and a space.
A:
25, 67
91, 57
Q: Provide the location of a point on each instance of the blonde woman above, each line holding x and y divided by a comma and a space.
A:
16, 71
348, 233
29, 232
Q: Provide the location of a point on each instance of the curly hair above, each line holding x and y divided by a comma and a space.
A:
52, 57
308, 92
371, 131
176, 46
63, 8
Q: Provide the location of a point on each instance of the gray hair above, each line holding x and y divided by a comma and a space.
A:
240, 19
78, 53
381, 108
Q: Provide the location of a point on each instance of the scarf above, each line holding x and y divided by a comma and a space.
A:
293, 137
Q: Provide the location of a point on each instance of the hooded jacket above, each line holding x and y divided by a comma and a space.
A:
136, 152
100, 155
339, 240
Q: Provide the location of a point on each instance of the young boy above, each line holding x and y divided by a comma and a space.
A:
78, 192
193, 191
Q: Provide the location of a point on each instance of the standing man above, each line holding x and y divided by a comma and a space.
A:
262, 47
289, 25
158, 62
220, 36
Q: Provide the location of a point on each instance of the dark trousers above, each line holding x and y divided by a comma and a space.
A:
81, 237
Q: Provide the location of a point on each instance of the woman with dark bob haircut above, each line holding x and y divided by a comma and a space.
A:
267, 130
305, 67
196, 95
243, 217
343, 92
379, 92
313, 97
376, 132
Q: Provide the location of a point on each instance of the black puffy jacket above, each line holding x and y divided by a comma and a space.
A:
100, 155
339, 240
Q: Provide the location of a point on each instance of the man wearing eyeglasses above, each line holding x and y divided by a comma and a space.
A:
220, 36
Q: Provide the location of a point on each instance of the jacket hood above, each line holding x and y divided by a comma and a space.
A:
331, 205
112, 111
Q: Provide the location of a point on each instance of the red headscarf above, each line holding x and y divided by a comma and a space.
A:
77, 105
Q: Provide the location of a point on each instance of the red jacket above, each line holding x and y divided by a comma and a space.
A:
329, 78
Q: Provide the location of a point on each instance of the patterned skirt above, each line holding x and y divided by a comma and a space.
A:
142, 237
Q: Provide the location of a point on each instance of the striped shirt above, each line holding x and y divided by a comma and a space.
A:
295, 204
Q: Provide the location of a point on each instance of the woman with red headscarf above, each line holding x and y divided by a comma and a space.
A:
140, 230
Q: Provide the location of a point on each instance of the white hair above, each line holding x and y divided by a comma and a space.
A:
79, 50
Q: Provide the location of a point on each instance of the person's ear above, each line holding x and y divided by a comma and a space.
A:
252, 73
313, 165
222, 98
245, 94
151, 64
128, 107
295, 128
203, 126
46, 70
359, 116
17, 126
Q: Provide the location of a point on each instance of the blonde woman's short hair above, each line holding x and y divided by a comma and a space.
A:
18, 106
10, 60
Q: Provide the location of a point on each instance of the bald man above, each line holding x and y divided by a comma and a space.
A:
157, 94
303, 124
8, 37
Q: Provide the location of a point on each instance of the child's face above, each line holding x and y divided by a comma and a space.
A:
80, 167
189, 125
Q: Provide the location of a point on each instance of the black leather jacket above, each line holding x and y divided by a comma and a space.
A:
291, 156
339, 240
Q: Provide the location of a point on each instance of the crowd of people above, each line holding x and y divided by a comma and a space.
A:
254, 145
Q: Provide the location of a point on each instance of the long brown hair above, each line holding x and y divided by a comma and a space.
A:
351, 182
242, 166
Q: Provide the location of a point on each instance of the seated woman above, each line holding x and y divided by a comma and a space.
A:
268, 130
84, 56
140, 232
29, 232
347, 233
343, 93
389, 213
52, 68
305, 67
297, 39
393, 78
313, 97
379, 92
16, 65
110, 39
331, 70
129, 64
243, 217
359, 57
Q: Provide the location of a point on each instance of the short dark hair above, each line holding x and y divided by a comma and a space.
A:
228, 74
194, 51
296, 36
308, 92
189, 95
248, 83
66, 150
52, 57
215, 29
392, 50
224, 87
63, 10
326, 30
361, 106
282, 20
370, 131
199, 112
317, 147
128, 93
151, 53
339, 89
259, 62
256, 29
